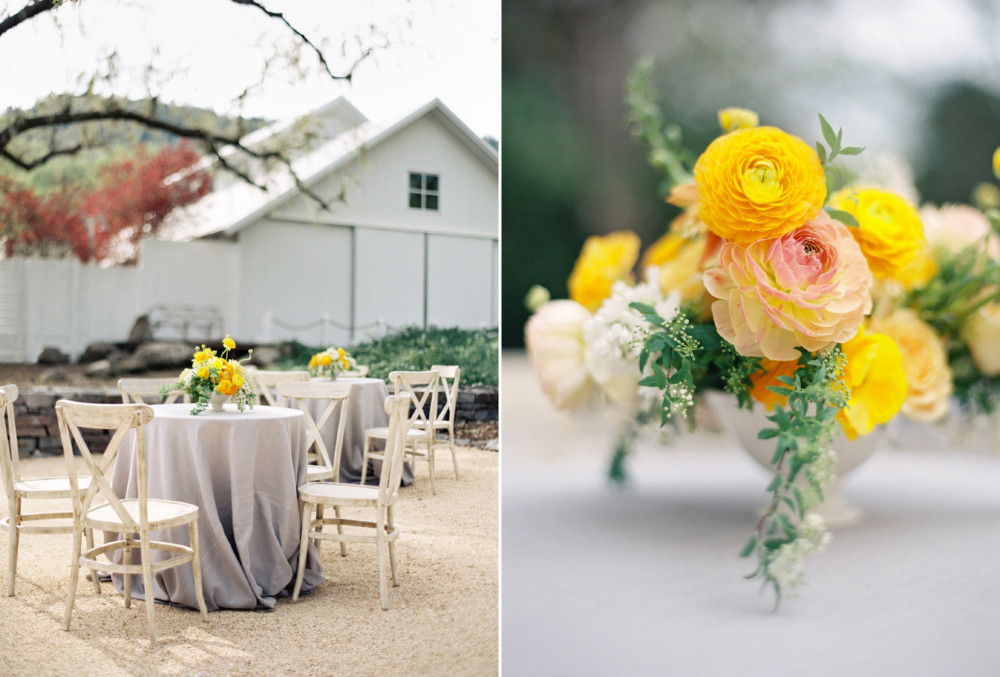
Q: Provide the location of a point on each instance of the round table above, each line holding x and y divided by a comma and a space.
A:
243, 470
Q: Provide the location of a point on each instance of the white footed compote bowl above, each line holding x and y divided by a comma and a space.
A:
835, 509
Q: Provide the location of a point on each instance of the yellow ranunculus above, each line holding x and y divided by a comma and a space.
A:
928, 376
325, 360
603, 261
344, 363
889, 229
217, 363
203, 372
237, 381
228, 342
341, 352
313, 361
758, 183
737, 118
996, 162
679, 261
200, 356
877, 379
226, 387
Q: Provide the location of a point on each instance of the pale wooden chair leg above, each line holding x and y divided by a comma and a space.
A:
303, 550
340, 531
94, 575
382, 556
392, 549
74, 572
147, 587
196, 569
14, 517
430, 468
319, 525
364, 458
454, 455
127, 559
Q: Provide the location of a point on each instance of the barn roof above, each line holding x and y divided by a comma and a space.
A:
229, 209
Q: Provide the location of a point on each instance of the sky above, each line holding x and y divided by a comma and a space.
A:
448, 49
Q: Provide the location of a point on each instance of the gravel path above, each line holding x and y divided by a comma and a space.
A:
442, 620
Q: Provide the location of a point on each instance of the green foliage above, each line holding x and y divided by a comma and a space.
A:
476, 351
835, 141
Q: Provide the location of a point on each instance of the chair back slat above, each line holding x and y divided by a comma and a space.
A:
299, 393
265, 381
8, 444
134, 389
449, 376
420, 387
121, 418
397, 407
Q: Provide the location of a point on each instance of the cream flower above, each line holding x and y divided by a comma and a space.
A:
953, 227
982, 334
554, 338
928, 376
809, 288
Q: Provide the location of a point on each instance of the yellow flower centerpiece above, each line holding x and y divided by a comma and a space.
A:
833, 313
213, 379
330, 363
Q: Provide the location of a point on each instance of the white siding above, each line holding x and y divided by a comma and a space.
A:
460, 282
13, 336
389, 279
296, 274
377, 194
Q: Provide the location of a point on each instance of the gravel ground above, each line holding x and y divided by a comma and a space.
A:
442, 620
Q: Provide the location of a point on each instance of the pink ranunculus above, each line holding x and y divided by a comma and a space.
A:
809, 288
952, 227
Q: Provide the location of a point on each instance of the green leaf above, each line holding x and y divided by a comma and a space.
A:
767, 433
649, 381
821, 151
655, 344
828, 133
643, 308
781, 390
749, 547
844, 217
775, 482
852, 150
643, 358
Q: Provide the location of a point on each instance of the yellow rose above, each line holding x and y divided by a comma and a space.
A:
928, 376
737, 118
889, 229
603, 261
875, 375
982, 334
325, 360
758, 183
228, 342
203, 372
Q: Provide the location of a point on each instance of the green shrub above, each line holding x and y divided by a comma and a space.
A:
476, 351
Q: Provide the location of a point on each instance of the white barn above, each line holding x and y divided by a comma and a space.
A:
411, 238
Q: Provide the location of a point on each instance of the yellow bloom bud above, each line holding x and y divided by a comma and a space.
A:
737, 118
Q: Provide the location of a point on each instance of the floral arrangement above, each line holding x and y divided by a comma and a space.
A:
824, 296
214, 374
331, 362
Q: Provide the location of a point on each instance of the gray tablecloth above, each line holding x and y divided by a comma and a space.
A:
366, 410
243, 471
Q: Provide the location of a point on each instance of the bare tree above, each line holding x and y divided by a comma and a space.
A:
21, 131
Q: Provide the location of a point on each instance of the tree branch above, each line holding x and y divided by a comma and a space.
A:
29, 11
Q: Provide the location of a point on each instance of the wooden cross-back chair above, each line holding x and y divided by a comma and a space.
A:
449, 377
134, 389
264, 383
126, 517
18, 490
321, 465
421, 390
381, 529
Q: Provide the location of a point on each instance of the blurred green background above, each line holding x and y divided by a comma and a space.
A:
917, 83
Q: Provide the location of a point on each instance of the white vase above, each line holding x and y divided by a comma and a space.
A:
835, 509
216, 400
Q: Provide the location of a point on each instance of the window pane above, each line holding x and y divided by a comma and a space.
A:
432, 202
415, 181
415, 200
432, 182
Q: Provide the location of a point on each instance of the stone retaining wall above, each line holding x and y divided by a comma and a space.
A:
38, 429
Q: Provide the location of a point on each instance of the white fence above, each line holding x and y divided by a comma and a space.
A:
201, 290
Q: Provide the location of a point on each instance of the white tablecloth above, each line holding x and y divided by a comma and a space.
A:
243, 471
647, 580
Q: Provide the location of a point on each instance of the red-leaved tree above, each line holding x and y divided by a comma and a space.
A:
132, 201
